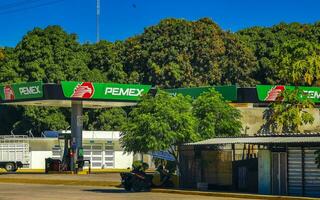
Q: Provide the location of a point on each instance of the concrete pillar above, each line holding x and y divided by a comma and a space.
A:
76, 131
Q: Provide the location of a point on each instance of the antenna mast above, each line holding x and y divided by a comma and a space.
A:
98, 21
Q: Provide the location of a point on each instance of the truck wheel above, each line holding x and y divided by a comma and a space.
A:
10, 167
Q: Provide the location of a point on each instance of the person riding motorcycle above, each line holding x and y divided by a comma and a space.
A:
137, 179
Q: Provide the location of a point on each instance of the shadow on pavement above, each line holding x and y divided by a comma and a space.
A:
107, 191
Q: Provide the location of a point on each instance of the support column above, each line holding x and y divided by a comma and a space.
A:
76, 133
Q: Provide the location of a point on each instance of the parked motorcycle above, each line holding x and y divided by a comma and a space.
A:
137, 180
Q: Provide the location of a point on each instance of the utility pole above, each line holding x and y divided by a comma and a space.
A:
98, 21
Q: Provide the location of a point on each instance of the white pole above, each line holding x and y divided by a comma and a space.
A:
98, 21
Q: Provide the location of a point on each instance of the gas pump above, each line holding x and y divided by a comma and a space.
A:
68, 161
57, 165
67, 151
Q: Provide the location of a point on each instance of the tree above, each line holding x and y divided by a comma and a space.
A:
288, 113
290, 47
38, 119
164, 122
8, 74
1, 54
52, 55
298, 62
173, 53
48, 55
106, 57
215, 116
238, 64
180, 53
111, 119
160, 123
9, 115
9, 67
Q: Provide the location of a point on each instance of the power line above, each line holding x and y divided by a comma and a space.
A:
30, 7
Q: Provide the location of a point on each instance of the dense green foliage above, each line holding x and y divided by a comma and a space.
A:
215, 116
105, 119
173, 53
168, 120
173, 120
286, 53
38, 119
178, 53
288, 113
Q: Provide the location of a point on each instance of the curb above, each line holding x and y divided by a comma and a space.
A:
230, 195
60, 182
93, 171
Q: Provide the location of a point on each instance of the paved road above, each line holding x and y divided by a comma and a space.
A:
114, 177
44, 192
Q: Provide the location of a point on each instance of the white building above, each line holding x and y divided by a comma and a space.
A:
102, 148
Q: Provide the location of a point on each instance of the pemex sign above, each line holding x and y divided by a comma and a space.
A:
271, 92
20, 91
103, 91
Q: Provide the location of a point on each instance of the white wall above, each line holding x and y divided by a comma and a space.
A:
37, 159
122, 161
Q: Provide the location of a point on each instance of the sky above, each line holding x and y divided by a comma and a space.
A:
120, 19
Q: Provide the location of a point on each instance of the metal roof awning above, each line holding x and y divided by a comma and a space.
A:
67, 103
259, 140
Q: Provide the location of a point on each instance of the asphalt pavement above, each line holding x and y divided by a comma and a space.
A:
14, 191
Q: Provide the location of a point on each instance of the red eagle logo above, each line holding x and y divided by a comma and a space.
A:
8, 93
274, 92
84, 91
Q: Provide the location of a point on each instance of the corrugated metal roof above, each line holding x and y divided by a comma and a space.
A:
259, 140
289, 134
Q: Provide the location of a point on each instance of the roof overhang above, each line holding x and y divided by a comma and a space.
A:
67, 103
93, 95
263, 140
98, 95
